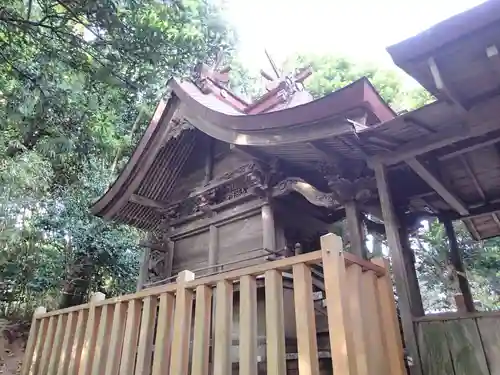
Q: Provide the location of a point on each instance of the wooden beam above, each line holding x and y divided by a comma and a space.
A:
456, 261
398, 266
153, 246
496, 219
465, 150
473, 230
434, 141
143, 201
441, 86
293, 169
473, 176
438, 186
474, 211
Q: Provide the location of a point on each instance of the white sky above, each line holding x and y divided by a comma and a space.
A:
358, 28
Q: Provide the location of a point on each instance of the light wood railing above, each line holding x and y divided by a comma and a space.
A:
152, 332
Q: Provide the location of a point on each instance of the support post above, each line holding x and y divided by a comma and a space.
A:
456, 261
398, 266
268, 230
209, 161
355, 228
143, 272
415, 297
170, 258
213, 247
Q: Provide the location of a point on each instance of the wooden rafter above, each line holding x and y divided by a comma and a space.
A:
473, 229
326, 152
438, 186
143, 201
431, 142
473, 177
465, 150
441, 86
420, 124
355, 145
496, 219
475, 210
384, 138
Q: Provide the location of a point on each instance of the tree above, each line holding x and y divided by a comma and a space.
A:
331, 72
481, 260
74, 78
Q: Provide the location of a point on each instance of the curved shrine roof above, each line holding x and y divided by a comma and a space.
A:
160, 145
442, 159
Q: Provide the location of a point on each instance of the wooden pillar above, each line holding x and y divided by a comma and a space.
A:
416, 306
355, 228
213, 247
268, 230
170, 258
398, 266
143, 271
209, 161
456, 261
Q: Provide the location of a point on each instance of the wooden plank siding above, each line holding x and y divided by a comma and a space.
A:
238, 241
459, 345
153, 331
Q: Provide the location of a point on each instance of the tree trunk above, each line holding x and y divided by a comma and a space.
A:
77, 286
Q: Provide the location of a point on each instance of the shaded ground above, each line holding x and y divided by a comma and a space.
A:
12, 343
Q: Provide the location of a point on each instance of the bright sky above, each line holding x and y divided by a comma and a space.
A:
358, 28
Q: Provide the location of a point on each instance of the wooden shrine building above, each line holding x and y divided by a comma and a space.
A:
221, 184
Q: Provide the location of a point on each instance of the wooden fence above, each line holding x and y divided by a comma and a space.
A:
459, 345
152, 332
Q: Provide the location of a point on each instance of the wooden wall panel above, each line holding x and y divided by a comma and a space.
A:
460, 346
434, 350
489, 329
241, 240
191, 252
238, 240
465, 347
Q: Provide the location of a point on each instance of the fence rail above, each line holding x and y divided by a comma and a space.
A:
170, 328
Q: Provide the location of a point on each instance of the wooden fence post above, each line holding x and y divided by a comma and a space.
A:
223, 327
248, 326
182, 325
392, 340
275, 325
90, 335
30, 352
339, 320
163, 340
201, 337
